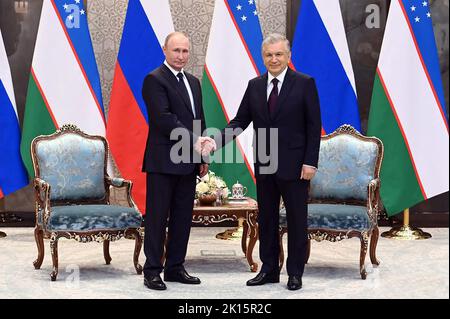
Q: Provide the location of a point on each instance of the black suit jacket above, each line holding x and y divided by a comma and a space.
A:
168, 108
296, 116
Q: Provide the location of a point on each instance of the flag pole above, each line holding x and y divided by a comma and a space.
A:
2, 208
406, 232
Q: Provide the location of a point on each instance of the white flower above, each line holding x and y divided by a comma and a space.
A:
225, 192
202, 187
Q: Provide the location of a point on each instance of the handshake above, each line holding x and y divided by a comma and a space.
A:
205, 145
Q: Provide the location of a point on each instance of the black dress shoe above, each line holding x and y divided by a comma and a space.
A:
154, 282
294, 283
264, 278
181, 276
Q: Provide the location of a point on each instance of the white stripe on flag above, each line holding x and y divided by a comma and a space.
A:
330, 12
231, 68
5, 74
61, 79
415, 104
160, 18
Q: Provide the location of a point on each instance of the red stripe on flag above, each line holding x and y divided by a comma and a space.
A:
425, 70
228, 121
391, 103
44, 98
127, 134
99, 108
1, 193
242, 38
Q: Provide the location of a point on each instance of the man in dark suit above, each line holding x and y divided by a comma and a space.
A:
173, 98
286, 101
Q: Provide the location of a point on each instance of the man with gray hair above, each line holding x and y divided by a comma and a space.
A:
286, 101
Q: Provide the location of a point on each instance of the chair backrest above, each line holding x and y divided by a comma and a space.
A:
348, 161
73, 163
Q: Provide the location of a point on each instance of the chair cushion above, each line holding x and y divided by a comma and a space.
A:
93, 217
346, 166
334, 217
74, 166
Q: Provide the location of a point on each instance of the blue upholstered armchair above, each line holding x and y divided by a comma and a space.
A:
72, 195
344, 194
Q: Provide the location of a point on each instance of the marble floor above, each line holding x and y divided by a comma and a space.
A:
408, 270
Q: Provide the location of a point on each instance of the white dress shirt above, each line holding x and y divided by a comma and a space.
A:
186, 82
280, 79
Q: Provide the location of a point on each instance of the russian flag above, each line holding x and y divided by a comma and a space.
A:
147, 24
13, 175
320, 49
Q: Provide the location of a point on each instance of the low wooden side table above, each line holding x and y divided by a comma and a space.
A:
248, 212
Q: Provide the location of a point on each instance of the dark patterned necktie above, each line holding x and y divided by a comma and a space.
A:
273, 97
183, 88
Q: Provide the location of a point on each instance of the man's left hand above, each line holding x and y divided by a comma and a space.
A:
203, 170
308, 172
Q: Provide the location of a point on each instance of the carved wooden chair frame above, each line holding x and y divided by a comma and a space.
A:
372, 204
43, 204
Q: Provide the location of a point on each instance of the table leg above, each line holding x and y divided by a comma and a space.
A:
244, 238
253, 226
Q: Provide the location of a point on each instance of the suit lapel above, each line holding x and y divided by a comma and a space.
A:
262, 93
174, 82
195, 94
285, 89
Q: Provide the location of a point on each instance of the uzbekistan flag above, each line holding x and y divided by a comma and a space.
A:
64, 85
408, 109
147, 24
12, 172
233, 58
320, 49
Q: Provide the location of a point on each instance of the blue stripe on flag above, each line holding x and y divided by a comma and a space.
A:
313, 53
12, 171
246, 16
419, 16
73, 16
139, 43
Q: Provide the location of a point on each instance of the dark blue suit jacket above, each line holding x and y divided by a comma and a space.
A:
168, 108
296, 116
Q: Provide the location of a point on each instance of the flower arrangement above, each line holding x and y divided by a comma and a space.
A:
212, 186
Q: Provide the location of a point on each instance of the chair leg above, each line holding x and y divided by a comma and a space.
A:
54, 251
106, 252
362, 268
137, 251
373, 246
281, 255
308, 251
39, 237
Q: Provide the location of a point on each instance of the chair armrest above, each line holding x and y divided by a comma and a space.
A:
121, 183
42, 199
373, 199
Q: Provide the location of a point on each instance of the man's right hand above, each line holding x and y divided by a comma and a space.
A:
205, 145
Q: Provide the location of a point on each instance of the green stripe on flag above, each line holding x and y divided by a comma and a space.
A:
399, 186
37, 121
215, 118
